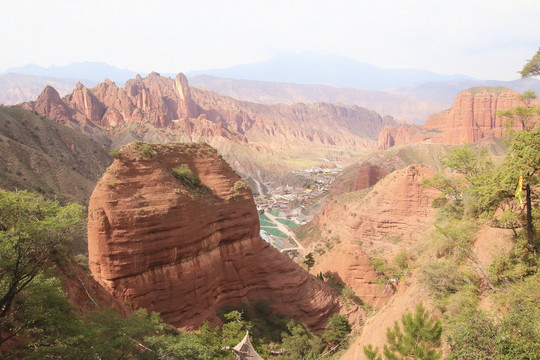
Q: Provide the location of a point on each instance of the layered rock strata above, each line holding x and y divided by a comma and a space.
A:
473, 116
161, 240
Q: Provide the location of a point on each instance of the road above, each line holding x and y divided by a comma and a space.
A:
285, 229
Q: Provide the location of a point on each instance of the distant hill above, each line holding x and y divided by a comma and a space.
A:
94, 72
313, 68
445, 92
414, 103
399, 106
45, 157
17, 88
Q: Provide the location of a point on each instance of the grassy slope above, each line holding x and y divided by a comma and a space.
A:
43, 156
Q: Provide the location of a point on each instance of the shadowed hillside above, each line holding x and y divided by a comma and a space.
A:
42, 156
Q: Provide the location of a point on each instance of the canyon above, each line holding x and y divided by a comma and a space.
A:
173, 229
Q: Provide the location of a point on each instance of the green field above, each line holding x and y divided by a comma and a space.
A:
291, 224
266, 223
274, 231
264, 217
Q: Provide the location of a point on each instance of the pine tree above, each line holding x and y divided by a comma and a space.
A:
309, 261
420, 338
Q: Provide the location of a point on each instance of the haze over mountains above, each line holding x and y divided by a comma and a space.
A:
313, 68
407, 94
94, 72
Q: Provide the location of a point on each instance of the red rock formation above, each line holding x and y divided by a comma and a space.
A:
405, 134
85, 105
368, 175
472, 117
185, 252
350, 264
387, 138
396, 206
85, 293
391, 216
50, 105
162, 102
364, 177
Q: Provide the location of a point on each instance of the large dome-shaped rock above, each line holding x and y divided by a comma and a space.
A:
161, 240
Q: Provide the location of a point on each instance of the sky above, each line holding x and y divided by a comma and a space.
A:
485, 39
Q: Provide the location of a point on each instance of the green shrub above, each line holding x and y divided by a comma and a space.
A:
337, 330
82, 261
379, 265
515, 265
111, 183
240, 185
403, 259
115, 152
443, 277
189, 180
145, 151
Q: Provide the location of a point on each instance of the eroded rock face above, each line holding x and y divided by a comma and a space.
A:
473, 116
186, 252
50, 104
363, 177
173, 109
354, 227
396, 206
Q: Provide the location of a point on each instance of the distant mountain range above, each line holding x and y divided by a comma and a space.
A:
313, 68
17, 88
85, 72
400, 106
410, 95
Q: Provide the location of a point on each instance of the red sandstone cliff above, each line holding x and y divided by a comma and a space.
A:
391, 216
473, 116
363, 177
185, 253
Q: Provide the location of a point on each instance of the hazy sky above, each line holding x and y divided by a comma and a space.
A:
487, 39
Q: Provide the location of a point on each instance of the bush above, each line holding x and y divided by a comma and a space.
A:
443, 278
82, 261
403, 259
115, 152
517, 264
189, 180
145, 151
514, 336
240, 185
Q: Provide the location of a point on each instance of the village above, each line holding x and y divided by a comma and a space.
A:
284, 208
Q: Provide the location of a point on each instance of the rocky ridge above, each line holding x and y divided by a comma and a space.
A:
357, 226
166, 103
473, 116
184, 248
